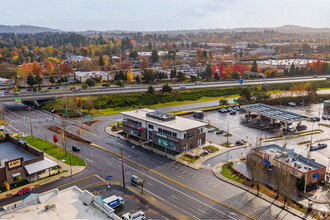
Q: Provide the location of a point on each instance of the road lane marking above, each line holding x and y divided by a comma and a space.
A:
175, 197
89, 160
150, 184
202, 211
109, 163
178, 183
92, 155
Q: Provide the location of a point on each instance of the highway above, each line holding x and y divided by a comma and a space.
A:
168, 181
143, 88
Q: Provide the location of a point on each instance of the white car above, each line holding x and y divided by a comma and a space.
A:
2, 128
198, 83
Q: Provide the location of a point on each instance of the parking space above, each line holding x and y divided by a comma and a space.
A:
131, 200
233, 124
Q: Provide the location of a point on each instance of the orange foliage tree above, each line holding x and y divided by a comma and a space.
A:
65, 69
144, 64
48, 66
36, 68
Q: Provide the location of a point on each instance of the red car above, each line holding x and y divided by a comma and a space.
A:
24, 191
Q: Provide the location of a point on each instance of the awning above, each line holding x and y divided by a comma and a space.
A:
315, 175
16, 174
40, 166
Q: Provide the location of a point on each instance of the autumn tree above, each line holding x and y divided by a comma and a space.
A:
144, 64
36, 68
7, 186
126, 64
65, 69
129, 76
48, 66
15, 89
26, 69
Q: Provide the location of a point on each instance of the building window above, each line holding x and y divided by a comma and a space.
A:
199, 142
166, 143
184, 147
200, 130
170, 133
151, 126
134, 122
184, 136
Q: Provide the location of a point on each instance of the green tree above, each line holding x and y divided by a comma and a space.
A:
151, 90
137, 79
101, 61
193, 78
90, 82
51, 79
181, 76
154, 56
223, 102
167, 88
30, 80
216, 76
292, 70
254, 67
235, 75
120, 83
148, 75
173, 74
245, 95
39, 80
85, 86
134, 54
301, 183
208, 72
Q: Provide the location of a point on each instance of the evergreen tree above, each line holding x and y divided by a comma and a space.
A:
216, 76
38, 80
151, 90
173, 74
137, 79
181, 76
292, 70
30, 80
167, 88
208, 71
101, 60
254, 67
51, 79
154, 56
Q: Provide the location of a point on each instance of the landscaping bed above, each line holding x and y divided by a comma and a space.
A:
190, 158
90, 123
68, 134
211, 149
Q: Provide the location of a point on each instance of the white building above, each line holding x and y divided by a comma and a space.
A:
6, 82
82, 76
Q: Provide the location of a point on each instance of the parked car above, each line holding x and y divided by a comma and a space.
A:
233, 112
24, 191
2, 127
314, 119
198, 82
222, 110
1, 94
292, 104
312, 148
329, 117
291, 129
219, 132
16, 93
324, 117
230, 109
135, 180
211, 130
301, 127
75, 148
321, 146
239, 142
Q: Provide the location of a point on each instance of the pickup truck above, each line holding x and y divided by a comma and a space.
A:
114, 201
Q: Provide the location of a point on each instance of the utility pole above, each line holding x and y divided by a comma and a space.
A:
64, 137
66, 108
30, 123
122, 167
81, 114
24, 126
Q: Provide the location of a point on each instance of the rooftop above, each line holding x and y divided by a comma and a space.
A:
91, 73
274, 113
10, 151
179, 123
287, 62
289, 157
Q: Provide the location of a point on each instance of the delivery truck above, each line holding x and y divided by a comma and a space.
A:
114, 201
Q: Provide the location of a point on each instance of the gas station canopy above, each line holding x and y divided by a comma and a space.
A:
274, 113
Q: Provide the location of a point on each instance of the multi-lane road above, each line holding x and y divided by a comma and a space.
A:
197, 194
28, 96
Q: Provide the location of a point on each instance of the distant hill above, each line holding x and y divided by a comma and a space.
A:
25, 29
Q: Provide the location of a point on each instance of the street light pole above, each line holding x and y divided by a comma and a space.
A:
30, 123
122, 166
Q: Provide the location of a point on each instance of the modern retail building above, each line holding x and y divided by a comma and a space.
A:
172, 134
17, 158
296, 164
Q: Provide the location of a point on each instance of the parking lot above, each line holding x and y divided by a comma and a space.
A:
233, 124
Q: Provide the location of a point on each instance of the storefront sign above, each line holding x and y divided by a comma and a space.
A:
14, 163
161, 135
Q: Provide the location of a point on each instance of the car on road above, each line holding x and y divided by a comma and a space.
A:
315, 76
135, 180
292, 104
182, 87
198, 83
34, 93
16, 93
312, 148
301, 127
219, 132
76, 90
6, 91
57, 87
75, 148
29, 89
211, 130
127, 87
1, 94
329, 117
239, 142
24, 191
50, 87
314, 119
321, 145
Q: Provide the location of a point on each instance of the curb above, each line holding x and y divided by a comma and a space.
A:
248, 189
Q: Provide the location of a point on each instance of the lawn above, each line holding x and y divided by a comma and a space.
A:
226, 172
54, 151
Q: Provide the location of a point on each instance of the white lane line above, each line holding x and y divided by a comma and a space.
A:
92, 155
150, 184
100, 178
202, 211
109, 163
12, 127
180, 192
170, 204
175, 197
89, 160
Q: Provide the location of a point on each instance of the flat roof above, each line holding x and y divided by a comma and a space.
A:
69, 205
274, 112
10, 151
290, 158
40, 166
179, 123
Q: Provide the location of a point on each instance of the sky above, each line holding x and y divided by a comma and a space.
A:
162, 15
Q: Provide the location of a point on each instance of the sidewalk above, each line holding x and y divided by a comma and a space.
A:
75, 170
216, 171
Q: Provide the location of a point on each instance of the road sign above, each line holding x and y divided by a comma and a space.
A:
108, 177
18, 99
66, 111
235, 100
88, 116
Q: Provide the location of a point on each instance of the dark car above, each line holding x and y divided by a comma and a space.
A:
50, 87
57, 87
6, 91
219, 132
16, 93
324, 117
75, 148
24, 191
135, 180
29, 89
240, 143
321, 146
233, 112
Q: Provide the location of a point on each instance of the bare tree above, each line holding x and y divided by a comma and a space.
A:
2, 113
255, 167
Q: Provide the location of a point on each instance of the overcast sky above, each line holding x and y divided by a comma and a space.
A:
152, 15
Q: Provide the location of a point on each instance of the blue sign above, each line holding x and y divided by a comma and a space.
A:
109, 177
240, 81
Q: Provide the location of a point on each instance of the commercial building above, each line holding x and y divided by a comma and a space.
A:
295, 163
172, 133
71, 203
326, 107
6, 82
83, 76
17, 158
282, 64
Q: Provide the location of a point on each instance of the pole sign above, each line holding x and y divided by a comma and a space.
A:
235, 100
88, 116
109, 177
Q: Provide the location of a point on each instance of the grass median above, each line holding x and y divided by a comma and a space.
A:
54, 151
